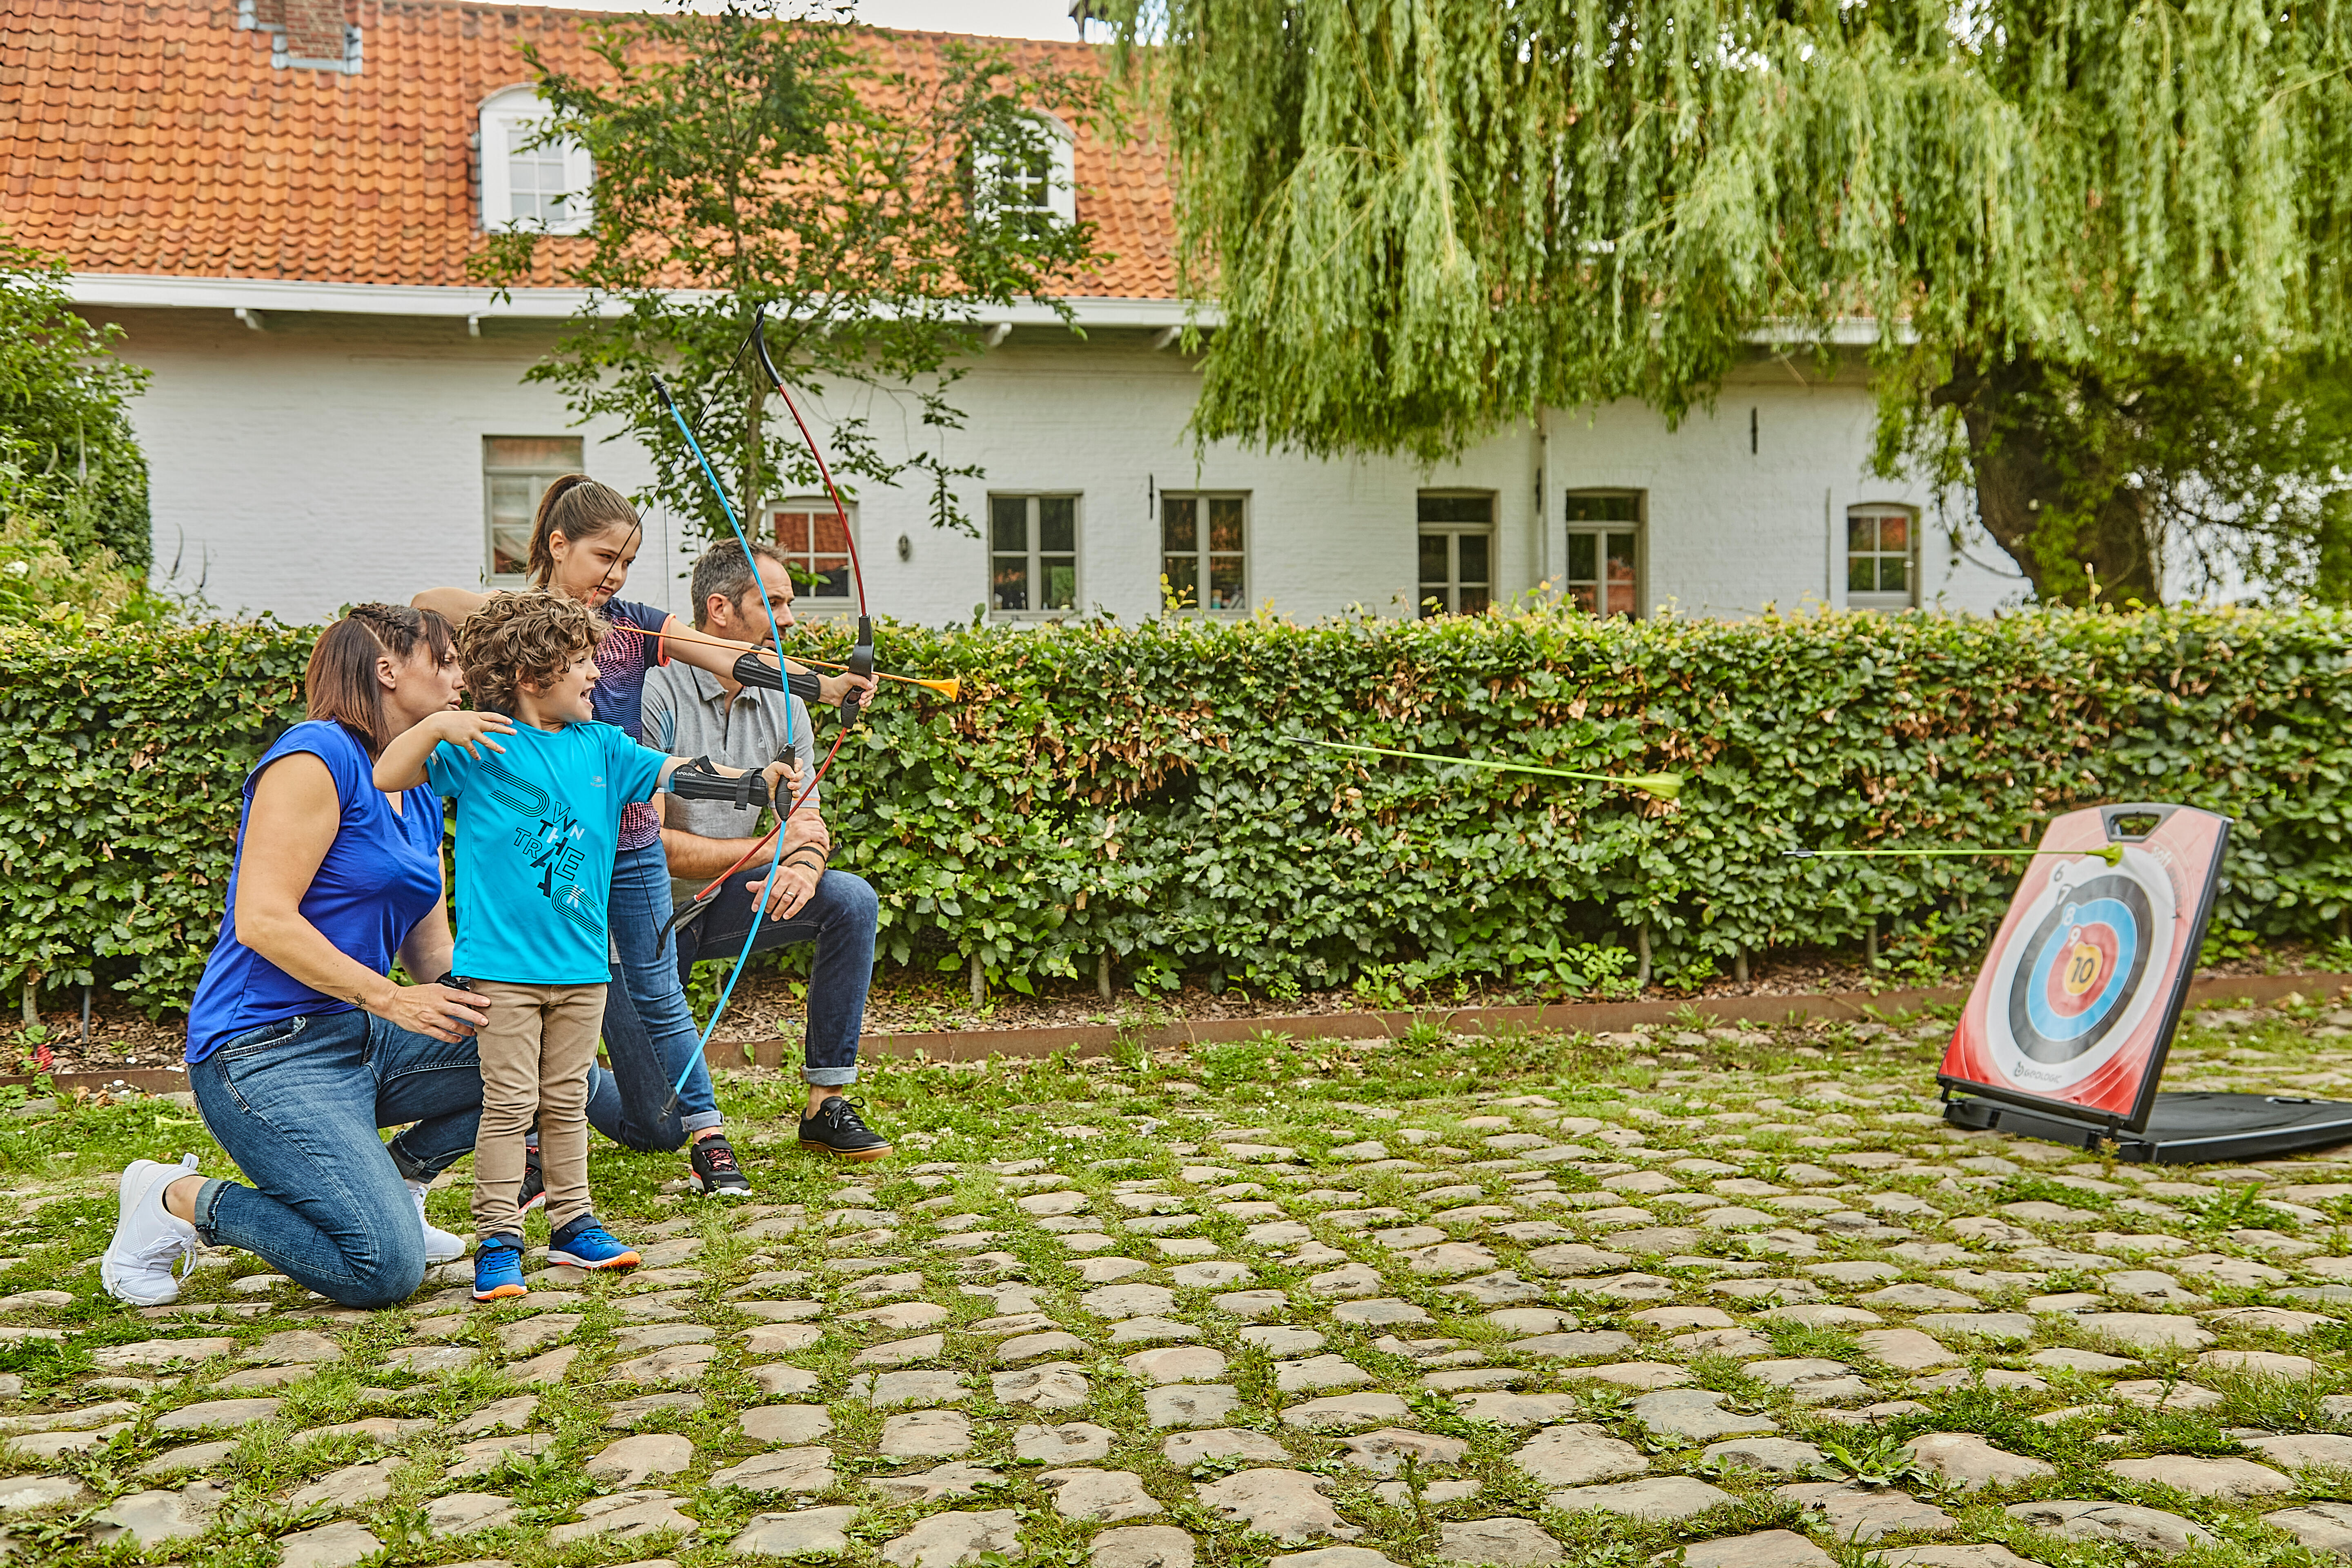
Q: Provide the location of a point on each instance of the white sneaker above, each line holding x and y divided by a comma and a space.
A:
440, 1246
148, 1238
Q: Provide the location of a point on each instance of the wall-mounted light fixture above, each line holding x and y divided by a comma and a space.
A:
906, 548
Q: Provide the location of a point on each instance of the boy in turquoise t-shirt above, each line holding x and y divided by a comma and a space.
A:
540, 786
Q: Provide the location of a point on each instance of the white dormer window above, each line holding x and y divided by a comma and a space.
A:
1033, 178
525, 186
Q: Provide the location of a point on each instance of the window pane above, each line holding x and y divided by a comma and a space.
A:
1183, 575
1225, 583
549, 455
1225, 523
1893, 573
513, 499
832, 578
1011, 584
1178, 523
1432, 600
1861, 574
1433, 563
1061, 581
1474, 601
793, 531
1861, 533
1008, 522
1585, 596
1894, 532
1457, 508
1474, 558
1617, 597
1605, 506
1584, 558
1058, 523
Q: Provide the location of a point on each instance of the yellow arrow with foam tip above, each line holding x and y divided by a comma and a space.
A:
1665, 786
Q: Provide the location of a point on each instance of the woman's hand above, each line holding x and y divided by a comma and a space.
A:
468, 730
444, 1012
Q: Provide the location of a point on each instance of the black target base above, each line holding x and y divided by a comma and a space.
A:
2185, 1128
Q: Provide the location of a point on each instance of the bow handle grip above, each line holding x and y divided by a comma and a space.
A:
861, 663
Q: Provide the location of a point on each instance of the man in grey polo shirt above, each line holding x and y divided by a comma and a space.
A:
691, 712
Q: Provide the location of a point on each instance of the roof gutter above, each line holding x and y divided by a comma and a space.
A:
125, 291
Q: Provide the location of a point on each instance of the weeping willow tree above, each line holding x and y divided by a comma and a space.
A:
2079, 228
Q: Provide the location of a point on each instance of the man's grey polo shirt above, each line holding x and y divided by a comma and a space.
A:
687, 714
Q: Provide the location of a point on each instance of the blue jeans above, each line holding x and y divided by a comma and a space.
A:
649, 1034
297, 1106
841, 919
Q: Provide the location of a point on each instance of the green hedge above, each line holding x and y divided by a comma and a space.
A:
1131, 788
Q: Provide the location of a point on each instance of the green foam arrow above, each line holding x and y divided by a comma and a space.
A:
2113, 854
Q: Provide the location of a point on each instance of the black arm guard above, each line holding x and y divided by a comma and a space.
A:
751, 671
695, 781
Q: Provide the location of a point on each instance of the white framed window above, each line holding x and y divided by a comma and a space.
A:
1033, 554
1604, 552
526, 187
1457, 552
516, 472
1033, 183
1882, 558
1202, 552
811, 539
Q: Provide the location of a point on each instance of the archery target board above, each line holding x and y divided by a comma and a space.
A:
2077, 1000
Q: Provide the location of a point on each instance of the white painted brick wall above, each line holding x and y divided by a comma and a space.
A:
334, 458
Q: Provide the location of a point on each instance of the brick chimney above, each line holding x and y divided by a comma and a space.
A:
314, 29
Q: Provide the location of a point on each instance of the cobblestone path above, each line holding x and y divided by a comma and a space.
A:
1738, 1295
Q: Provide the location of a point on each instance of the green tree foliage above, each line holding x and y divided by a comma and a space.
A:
65, 433
746, 157
1134, 789
39, 581
2107, 226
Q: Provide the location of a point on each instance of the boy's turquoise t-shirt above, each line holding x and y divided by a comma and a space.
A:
538, 827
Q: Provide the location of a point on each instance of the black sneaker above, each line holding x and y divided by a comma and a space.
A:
715, 1171
837, 1126
533, 1192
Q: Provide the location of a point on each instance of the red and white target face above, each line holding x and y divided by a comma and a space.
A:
2073, 999
2073, 980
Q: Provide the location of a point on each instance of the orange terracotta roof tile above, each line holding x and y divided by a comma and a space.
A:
157, 138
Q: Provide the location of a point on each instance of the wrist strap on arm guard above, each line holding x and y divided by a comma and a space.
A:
750, 670
698, 781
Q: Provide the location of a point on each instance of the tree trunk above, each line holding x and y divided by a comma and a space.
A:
2052, 452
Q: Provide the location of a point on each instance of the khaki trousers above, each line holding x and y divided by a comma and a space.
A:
536, 1052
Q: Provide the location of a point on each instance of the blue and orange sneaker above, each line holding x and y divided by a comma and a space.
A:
584, 1244
497, 1269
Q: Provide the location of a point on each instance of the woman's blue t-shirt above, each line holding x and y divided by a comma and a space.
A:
380, 876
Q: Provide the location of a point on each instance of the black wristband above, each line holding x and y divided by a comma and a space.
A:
753, 671
694, 780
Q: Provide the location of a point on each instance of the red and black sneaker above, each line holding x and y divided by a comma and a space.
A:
717, 1172
837, 1127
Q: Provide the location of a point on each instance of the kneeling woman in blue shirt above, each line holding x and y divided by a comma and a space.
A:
299, 1045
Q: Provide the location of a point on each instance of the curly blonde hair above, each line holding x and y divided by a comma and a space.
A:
522, 639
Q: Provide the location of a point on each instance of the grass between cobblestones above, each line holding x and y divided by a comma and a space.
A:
1393, 1290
